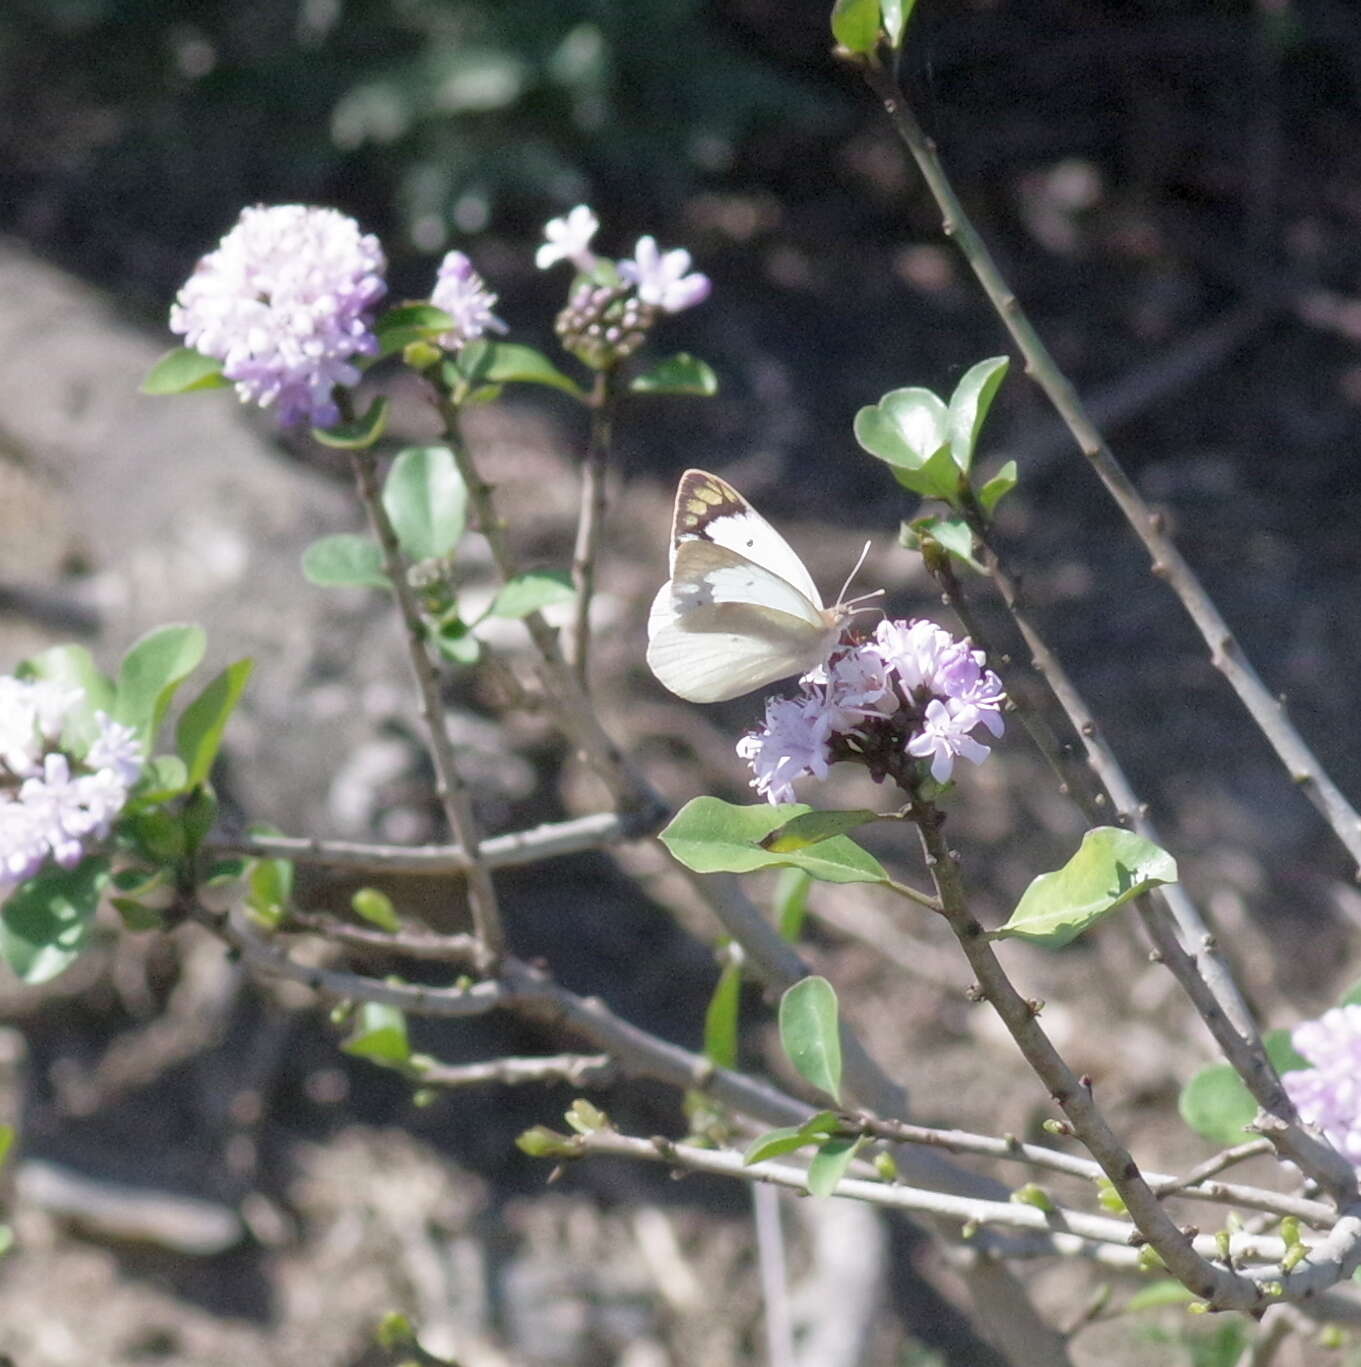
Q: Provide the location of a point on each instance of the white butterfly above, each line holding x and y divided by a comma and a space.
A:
740, 609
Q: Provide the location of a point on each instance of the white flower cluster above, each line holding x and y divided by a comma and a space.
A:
662, 279
911, 692
47, 809
286, 303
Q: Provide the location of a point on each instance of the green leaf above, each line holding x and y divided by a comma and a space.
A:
531, 592
380, 1035
73, 667
163, 777
720, 1019
456, 642
346, 560
810, 1035
1112, 866
376, 908
427, 501
46, 921
198, 736
709, 835
1216, 1105
812, 828
951, 532
410, 323
830, 1162
6, 1239
1159, 1294
484, 362
938, 478
997, 488
896, 13
1281, 1051
158, 834
6, 1142
152, 670
855, 24
790, 1138
791, 902
182, 370
1352, 997
969, 406
269, 884
905, 428
360, 434
678, 374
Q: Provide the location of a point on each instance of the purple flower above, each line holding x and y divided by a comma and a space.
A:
32, 712
286, 303
791, 744
464, 296
117, 749
569, 239
661, 277
912, 692
1329, 1094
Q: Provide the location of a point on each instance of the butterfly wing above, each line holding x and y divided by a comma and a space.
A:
724, 625
710, 509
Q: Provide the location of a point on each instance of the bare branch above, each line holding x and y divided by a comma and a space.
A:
581, 1070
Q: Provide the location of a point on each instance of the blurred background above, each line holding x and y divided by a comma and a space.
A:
1173, 187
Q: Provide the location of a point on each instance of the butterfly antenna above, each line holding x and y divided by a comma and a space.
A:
841, 597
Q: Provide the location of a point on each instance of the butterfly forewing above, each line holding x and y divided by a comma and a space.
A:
710, 509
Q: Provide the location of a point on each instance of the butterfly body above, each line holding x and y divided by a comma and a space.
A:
740, 609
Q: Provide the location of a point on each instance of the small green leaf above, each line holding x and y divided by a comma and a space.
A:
360, 434
410, 323
1281, 1051
6, 1239
380, 1035
585, 1118
938, 478
810, 1035
1032, 1194
6, 1142
905, 428
346, 560
484, 362
1111, 867
790, 1138
997, 488
163, 777
678, 374
896, 13
830, 1162
812, 828
181, 370
198, 736
456, 642
532, 592
269, 884
1158, 1294
427, 501
720, 1019
46, 921
541, 1142
376, 908
791, 902
1216, 1105
73, 667
709, 835
969, 406
151, 671
951, 532
158, 834
855, 24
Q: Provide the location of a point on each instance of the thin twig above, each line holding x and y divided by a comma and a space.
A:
1168, 563
449, 786
591, 519
1240, 1153
549, 841
580, 1070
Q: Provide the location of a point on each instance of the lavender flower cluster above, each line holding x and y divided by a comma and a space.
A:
47, 810
286, 303
912, 692
1329, 1094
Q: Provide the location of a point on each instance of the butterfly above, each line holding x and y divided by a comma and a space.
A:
740, 609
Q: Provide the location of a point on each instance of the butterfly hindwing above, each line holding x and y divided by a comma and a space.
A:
710, 509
